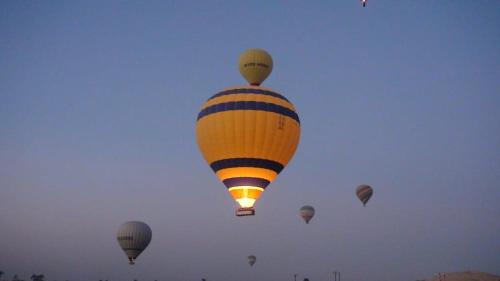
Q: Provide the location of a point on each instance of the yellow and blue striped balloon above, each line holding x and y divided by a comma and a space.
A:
247, 134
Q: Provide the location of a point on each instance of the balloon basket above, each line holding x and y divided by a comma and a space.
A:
242, 212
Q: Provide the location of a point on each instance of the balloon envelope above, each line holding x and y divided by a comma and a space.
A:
251, 260
364, 193
247, 135
133, 237
307, 213
255, 66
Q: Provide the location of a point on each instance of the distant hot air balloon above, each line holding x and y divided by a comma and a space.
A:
251, 260
255, 66
133, 237
364, 192
248, 134
307, 213
363, 2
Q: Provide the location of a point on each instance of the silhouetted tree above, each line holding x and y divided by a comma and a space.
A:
1, 273
37, 277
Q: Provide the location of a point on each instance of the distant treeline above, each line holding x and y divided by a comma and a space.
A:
34, 277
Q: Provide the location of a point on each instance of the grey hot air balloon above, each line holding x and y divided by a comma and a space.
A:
364, 192
307, 213
251, 260
133, 237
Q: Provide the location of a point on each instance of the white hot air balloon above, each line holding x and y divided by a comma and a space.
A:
307, 213
251, 260
133, 237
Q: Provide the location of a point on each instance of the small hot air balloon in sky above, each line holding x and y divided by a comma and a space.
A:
251, 260
255, 66
364, 192
307, 213
363, 2
133, 237
248, 134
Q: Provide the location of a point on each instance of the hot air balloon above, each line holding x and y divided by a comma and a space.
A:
133, 237
363, 2
255, 66
248, 134
364, 192
307, 213
251, 260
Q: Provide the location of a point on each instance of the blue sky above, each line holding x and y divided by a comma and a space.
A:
98, 102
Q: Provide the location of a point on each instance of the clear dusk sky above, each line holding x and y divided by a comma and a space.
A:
98, 104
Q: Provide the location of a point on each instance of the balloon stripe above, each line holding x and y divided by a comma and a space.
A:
248, 91
246, 181
247, 162
364, 193
236, 172
248, 105
248, 97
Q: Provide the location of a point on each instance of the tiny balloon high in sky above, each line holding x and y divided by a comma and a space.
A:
307, 213
248, 134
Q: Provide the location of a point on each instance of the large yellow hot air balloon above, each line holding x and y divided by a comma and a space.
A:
248, 134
